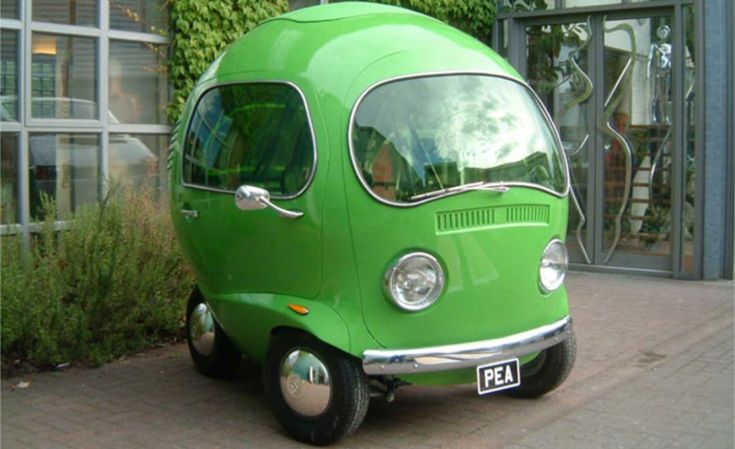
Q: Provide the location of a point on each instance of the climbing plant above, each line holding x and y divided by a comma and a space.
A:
202, 29
474, 17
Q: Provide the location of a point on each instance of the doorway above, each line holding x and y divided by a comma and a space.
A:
621, 91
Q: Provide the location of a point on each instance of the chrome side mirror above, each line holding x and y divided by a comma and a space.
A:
254, 198
251, 198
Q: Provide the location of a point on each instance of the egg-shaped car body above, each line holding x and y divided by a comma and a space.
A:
371, 198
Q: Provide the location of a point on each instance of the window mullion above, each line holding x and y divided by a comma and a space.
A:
24, 112
103, 89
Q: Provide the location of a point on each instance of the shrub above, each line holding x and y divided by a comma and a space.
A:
114, 282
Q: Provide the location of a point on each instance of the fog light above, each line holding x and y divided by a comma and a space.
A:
554, 264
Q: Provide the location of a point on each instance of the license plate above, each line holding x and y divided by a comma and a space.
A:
498, 376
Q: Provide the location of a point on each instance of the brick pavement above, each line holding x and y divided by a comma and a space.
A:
654, 370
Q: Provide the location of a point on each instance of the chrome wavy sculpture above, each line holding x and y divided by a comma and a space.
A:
577, 77
611, 103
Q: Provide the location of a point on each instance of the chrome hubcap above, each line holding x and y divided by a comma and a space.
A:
305, 383
201, 329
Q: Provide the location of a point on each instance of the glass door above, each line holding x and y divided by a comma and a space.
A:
558, 70
636, 128
608, 85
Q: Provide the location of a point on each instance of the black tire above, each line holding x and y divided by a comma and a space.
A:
223, 358
348, 401
547, 371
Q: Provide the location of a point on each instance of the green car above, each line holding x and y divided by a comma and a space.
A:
370, 198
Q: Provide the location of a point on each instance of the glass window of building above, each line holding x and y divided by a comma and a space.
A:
138, 86
298, 4
9, 9
580, 3
63, 77
57, 140
63, 167
622, 81
66, 12
9, 178
524, 5
689, 230
146, 16
139, 160
9, 75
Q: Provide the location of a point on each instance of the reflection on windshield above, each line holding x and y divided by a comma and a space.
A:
415, 136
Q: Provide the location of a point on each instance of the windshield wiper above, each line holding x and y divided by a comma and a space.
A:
480, 185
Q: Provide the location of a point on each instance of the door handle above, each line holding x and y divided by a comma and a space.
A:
190, 213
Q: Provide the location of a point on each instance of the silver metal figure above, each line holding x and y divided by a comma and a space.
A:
659, 74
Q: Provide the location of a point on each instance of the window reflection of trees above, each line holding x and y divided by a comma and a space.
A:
453, 130
255, 134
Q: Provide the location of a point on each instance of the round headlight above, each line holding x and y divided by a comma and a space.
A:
554, 264
414, 281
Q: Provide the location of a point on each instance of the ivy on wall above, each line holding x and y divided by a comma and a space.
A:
474, 17
202, 29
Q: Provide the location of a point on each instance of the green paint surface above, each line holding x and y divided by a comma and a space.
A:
252, 264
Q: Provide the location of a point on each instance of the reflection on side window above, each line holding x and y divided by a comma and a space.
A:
416, 137
250, 134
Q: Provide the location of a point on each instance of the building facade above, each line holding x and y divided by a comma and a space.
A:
84, 91
641, 91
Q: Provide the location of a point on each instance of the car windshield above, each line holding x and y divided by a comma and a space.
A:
418, 138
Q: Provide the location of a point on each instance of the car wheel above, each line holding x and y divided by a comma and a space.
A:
318, 393
213, 353
547, 371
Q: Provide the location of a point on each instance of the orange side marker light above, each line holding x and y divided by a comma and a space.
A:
301, 310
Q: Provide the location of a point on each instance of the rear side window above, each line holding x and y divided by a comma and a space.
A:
255, 134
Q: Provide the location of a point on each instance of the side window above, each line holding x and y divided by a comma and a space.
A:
256, 134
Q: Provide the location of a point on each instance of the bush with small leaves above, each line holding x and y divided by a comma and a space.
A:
113, 282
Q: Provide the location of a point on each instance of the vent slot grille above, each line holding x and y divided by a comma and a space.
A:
483, 217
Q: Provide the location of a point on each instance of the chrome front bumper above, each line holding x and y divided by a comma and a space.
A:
464, 355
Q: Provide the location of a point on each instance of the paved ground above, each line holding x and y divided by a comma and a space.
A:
654, 370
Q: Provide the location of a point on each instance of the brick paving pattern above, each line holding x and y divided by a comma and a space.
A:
654, 370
